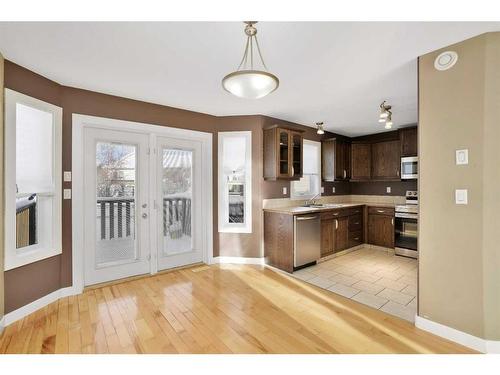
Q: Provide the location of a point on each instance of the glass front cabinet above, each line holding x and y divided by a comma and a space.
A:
282, 153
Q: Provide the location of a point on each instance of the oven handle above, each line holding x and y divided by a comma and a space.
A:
406, 215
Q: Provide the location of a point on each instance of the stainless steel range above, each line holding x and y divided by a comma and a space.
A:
406, 226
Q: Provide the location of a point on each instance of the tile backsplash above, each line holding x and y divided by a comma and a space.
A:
372, 199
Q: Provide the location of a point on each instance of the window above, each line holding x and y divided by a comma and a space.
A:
33, 179
310, 183
235, 182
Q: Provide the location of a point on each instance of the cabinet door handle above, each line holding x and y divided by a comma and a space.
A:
336, 224
381, 211
392, 222
345, 173
335, 214
397, 173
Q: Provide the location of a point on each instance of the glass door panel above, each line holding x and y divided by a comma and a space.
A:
115, 203
284, 155
176, 181
296, 155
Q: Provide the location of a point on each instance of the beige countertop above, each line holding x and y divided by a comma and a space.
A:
298, 210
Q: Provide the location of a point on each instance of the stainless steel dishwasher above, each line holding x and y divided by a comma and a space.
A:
306, 239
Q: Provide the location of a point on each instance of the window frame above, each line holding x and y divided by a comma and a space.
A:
293, 194
52, 243
223, 202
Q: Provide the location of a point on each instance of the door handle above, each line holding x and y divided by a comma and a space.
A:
144, 215
302, 218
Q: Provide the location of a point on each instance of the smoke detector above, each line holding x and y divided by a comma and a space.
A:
446, 60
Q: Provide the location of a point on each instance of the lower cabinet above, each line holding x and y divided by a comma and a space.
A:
341, 229
381, 226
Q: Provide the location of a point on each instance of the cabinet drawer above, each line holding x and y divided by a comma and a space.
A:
356, 210
334, 214
355, 238
355, 223
389, 211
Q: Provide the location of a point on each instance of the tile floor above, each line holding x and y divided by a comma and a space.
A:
370, 276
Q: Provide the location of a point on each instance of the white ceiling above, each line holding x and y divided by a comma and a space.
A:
334, 72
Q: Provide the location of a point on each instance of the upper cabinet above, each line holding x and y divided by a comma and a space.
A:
336, 160
408, 140
386, 160
361, 157
282, 153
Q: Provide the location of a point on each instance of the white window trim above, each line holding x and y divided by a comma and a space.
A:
302, 197
224, 225
18, 257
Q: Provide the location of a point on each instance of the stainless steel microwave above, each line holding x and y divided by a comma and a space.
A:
409, 168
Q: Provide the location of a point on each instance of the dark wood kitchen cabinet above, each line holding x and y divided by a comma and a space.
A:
341, 234
386, 160
381, 226
283, 153
408, 140
335, 160
341, 229
361, 156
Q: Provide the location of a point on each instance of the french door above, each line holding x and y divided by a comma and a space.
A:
179, 193
116, 241
142, 204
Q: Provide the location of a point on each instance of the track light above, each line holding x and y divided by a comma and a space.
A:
320, 130
385, 115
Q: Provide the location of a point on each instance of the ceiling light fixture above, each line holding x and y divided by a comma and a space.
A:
247, 82
385, 115
320, 130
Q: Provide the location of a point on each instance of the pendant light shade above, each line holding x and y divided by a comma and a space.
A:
248, 82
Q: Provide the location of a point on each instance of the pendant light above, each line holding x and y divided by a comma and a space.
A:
248, 82
319, 126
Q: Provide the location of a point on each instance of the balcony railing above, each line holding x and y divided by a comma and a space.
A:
116, 217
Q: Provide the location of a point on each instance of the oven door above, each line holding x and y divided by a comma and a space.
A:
406, 234
409, 168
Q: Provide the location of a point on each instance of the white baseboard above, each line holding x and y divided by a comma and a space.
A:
462, 338
238, 260
21, 312
2, 324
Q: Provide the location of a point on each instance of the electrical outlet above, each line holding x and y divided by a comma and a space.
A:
333, 190
284, 190
388, 189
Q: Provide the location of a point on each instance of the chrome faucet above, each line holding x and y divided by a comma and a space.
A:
312, 201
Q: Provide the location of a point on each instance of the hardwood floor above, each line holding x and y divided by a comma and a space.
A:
215, 309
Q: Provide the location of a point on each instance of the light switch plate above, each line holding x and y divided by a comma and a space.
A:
67, 193
67, 176
333, 189
388, 189
322, 189
461, 196
462, 157
284, 190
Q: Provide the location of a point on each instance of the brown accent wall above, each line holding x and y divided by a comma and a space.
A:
55, 272
2, 212
459, 108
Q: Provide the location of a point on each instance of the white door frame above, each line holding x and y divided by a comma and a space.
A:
79, 123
